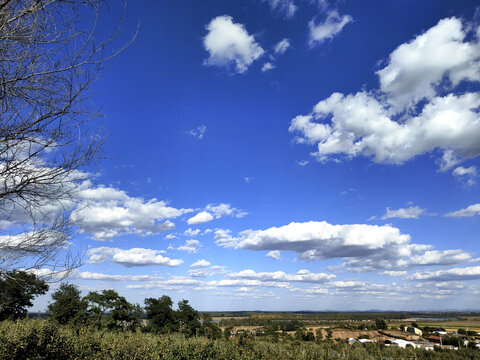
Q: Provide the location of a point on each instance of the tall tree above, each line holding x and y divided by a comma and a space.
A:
67, 306
188, 318
110, 310
49, 57
17, 290
160, 315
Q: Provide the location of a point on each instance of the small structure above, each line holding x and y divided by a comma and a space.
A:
412, 330
363, 341
350, 341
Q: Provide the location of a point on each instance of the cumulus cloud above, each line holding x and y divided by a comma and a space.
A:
191, 232
174, 283
106, 212
416, 68
198, 133
274, 254
469, 273
460, 171
286, 7
469, 211
216, 211
267, 66
191, 246
131, 257
466, 174
301, 276
328, 29
362, 247
319, 240
376, 125
281, 46
200, 263
229, 43
441, 257
412, 212
200, 218
86, 275
362, 126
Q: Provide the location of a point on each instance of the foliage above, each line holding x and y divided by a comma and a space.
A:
68, 305
188, 319
40, 340
160, 315
112, 311
17, 290
381, 324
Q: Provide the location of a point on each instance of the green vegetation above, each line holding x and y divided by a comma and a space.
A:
104, 325
41, 339
17, 290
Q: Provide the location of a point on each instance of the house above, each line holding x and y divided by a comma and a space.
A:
412, 330
402, 343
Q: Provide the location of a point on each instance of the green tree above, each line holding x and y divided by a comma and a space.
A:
110, 310
161, 317
209, 328
381, 324
17, 290
68, 305
188, 319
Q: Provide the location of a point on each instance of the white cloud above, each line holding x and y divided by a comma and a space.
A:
200, 263
466, 174
274, 254
191, 246
202, 272
301, 276
86, 275
469, 211
267, 66
394, 273
175, 283
444, 257
200, 218
470, 273
287, 7
106, 212
417, 67
191, 232
363, 126
131, 257
281, 46
328, 29
225, 210
213, 211
198, 133
460, 171
362, 247
229, 43
374, 124
412, 212
321, 240
303, 162
248, 179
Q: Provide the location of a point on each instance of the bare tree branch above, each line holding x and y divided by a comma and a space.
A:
49, 56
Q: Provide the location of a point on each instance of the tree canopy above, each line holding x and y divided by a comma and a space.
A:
17, 290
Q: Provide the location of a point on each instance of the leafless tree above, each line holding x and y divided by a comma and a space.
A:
49, 56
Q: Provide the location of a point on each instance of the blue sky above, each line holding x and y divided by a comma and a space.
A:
288, 155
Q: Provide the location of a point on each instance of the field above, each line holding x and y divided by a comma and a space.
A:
41, 339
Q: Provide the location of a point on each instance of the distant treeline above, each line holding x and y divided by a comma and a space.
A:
265, 318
